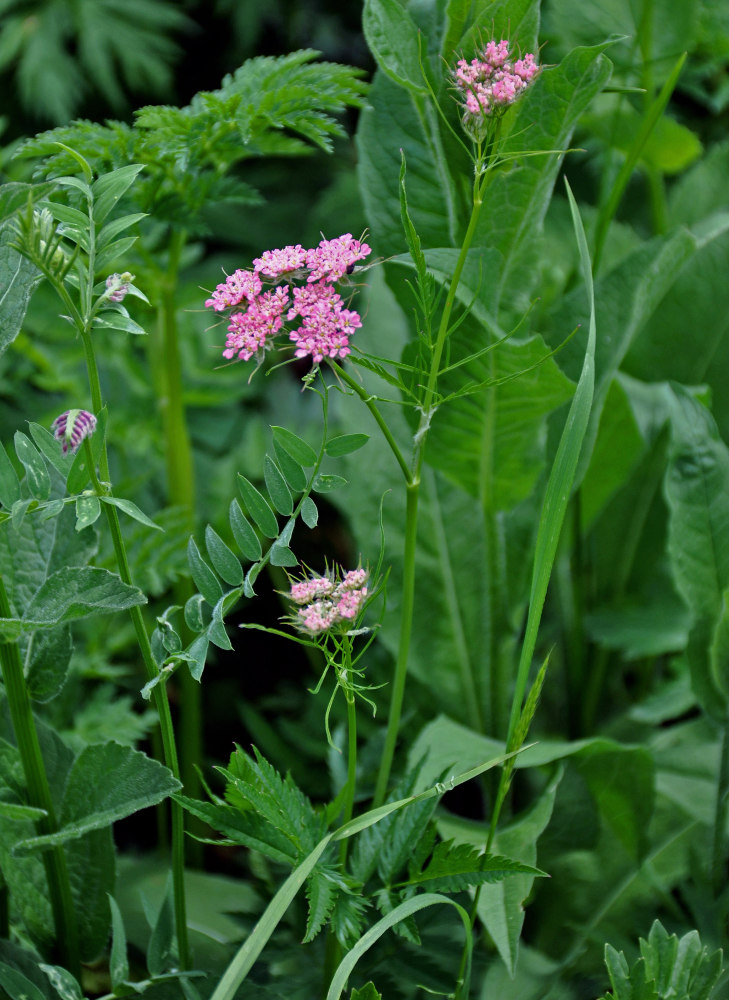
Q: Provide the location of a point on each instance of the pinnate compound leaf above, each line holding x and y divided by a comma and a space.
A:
321, 894
454, 867
205, 580
73, 592
297, 449
106, 782
368, 992
258, 507
245, 537
227, 566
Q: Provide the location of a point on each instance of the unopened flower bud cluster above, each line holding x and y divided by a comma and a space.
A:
491, 82
303, 290
328, 602
71, 427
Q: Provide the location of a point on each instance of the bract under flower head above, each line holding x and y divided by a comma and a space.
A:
491, 82
71, 427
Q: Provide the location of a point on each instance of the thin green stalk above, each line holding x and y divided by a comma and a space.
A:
351, 749
719, 852
39, 795
162, 706
180, 492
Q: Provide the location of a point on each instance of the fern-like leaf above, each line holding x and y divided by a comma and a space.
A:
322, 889
454, 867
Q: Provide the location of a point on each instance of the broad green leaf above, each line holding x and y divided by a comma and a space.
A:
17, 985
18, 280
258, 507
245, 537
345, 443
226, 565
88, 509
281, 555
65, 985
293, 472
112, 319
9, 482
50, 448
325, 484
392, 38
106, 783
39, 482
277, 488
131, 509
74, 592
205, 580
297, 449
45, 662
309, 513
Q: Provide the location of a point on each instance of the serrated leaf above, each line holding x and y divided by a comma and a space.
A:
345, 443
321, 894
106, 782
454, 867
70, 593
258, 507
297, 449
309, 513
293, 472
205, 580
277, 488
245, 536
39, 482
225, 563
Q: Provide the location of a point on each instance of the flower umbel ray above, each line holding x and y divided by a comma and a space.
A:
329, 602
307, 275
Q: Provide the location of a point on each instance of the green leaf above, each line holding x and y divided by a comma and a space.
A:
367, 992
115, 250
454, 867
345, 443
39, 482
50, 449
296, 448
109, 188
282, 555
205, 580
73, 592
325, 484
277, 488
309, 513
131, 509
258, 508
224, 561
9, 482
17, 985
392, 37
106, 783
245, 537
65, 985
112, 229
18, 280
88, 509
293, 472
159, 949
118, 964
112, 319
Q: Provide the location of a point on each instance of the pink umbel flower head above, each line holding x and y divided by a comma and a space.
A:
489, 83
256, 317
71, 427
328, 602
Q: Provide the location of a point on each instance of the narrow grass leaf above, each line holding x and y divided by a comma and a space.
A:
258, 507
245, 536
559, 485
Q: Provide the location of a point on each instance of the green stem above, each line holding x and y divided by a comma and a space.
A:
351, 754
39, 795
719, 853
180, 492
162, 706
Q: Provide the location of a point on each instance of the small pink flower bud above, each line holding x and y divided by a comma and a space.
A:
117, 286
72, 426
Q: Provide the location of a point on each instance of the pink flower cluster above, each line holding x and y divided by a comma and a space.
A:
326, 324
492, 80
326, 602
71, 427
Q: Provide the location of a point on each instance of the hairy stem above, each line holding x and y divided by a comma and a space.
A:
39, 795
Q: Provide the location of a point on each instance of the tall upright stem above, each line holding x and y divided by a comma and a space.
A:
719, 851
39, 795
